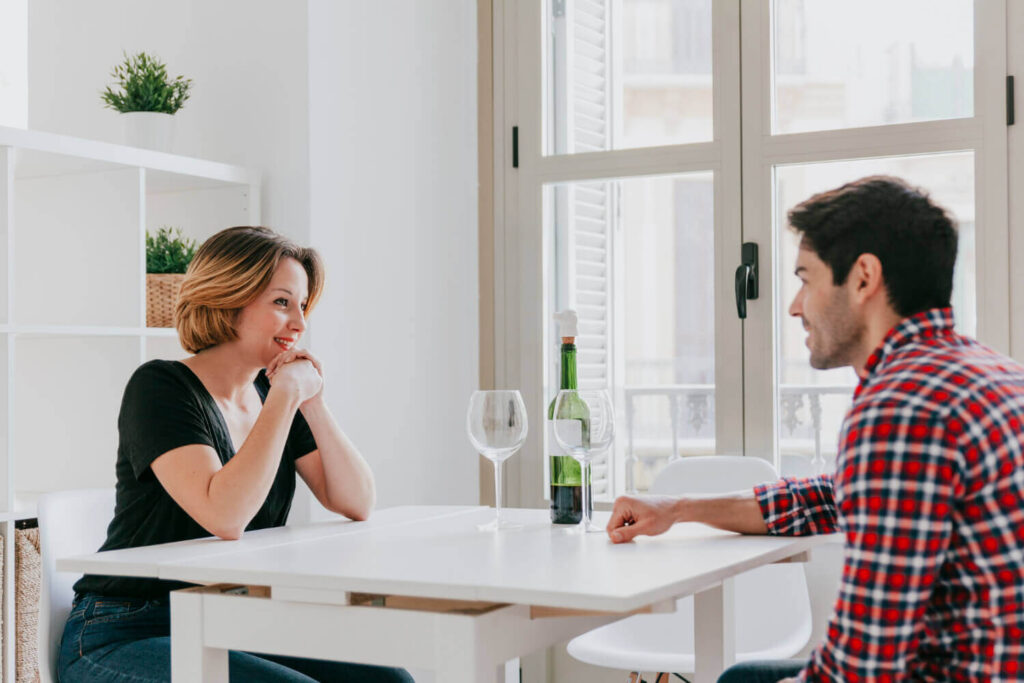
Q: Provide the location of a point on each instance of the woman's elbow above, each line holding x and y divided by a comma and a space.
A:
357, 511
227, 533
358, 515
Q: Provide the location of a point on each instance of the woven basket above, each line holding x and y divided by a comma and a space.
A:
27, 575
161, 297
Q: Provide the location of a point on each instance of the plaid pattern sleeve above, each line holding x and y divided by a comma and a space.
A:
798, 507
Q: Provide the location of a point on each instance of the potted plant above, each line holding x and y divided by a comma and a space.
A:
148, 99
167, 257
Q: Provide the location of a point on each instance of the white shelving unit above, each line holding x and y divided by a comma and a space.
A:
73, 219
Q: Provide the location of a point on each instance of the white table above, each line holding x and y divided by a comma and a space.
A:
527, 589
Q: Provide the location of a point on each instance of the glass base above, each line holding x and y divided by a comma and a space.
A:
584, 528
496, 525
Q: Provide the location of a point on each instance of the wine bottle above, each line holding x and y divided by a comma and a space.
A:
566, 490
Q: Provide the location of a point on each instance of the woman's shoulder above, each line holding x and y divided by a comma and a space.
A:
160, 374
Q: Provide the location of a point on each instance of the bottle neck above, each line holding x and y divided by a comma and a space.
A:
568, 366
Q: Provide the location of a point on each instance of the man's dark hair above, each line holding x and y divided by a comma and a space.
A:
914, 239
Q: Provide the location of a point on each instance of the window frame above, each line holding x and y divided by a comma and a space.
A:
984, 133
742, 110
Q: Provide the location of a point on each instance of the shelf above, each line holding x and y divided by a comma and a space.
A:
87, 331
74, 215
25, 512
41, 154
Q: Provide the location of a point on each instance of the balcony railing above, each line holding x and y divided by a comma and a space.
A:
691, 412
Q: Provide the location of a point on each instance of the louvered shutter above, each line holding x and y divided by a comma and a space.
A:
583, 123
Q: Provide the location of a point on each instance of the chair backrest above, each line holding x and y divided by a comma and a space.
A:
70, 523
798, 466
713, 474
773, 609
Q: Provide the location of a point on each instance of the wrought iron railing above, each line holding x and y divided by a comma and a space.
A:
691, 411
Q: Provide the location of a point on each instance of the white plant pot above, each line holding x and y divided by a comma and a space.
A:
152, 130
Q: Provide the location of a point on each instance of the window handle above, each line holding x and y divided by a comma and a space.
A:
746, 279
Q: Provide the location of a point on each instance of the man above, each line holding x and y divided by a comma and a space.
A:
929, 480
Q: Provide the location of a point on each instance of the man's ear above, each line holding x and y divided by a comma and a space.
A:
866, 278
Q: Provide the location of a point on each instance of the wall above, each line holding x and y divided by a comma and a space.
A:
394, 210
247, 59
362, 117
13, 63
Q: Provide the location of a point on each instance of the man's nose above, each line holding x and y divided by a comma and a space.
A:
795, 308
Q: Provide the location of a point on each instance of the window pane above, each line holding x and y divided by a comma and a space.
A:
635, 73
841, 64
812, 403
636, 259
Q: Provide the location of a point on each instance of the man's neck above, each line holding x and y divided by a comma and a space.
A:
877, 328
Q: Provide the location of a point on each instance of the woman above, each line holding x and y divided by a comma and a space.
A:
211, 445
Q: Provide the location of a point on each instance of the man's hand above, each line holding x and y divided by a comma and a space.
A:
650, 515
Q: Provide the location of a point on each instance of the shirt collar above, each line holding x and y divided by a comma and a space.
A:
931, 323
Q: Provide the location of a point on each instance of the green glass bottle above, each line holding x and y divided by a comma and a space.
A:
566, 491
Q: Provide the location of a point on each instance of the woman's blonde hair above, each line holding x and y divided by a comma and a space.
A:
228, 272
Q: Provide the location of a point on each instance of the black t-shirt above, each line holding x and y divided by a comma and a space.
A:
165, 406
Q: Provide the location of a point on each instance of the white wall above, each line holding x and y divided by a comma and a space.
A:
394, 211
362, 117
247, 59
13, 63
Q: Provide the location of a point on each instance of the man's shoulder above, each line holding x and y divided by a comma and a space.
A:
936, 377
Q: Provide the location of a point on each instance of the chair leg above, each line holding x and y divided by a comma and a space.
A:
662, 678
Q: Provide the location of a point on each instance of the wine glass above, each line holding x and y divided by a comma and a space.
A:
586, 436
496, 425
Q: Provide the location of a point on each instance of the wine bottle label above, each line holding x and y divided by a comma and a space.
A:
568, 432
554, 448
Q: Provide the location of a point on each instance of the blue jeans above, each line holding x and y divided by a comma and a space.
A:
125, 640
761, 672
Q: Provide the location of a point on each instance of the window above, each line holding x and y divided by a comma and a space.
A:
651, 146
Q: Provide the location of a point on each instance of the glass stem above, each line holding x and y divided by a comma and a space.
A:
585, 478
497, 491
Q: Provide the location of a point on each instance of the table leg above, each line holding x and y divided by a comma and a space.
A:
191, 660
714, 632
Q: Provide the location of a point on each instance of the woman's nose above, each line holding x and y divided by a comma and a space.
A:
299, 322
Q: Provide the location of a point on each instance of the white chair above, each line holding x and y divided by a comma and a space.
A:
70, 523
798, 466
773, 610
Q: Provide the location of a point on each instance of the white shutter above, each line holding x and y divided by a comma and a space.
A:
585, 211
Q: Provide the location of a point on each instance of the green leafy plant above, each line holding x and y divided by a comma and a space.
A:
168, 251
145, 86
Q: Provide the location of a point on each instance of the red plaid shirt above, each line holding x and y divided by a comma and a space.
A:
929, 492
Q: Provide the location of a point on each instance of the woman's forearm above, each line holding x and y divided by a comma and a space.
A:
238, 490
349, 488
